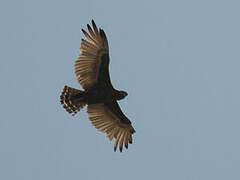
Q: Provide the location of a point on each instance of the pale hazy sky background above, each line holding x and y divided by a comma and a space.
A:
179, 62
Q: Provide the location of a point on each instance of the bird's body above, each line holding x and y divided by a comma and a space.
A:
99, 94
91, 69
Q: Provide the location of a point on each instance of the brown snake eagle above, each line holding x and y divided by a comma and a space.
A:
91, 69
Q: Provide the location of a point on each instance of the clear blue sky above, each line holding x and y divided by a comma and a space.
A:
179, 62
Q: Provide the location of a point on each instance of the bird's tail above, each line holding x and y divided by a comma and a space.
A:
72, 99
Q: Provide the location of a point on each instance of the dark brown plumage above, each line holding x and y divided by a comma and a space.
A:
92, 71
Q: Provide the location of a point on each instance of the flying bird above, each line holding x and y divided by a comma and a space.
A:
100, 97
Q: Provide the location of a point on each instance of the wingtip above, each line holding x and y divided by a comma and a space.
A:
93, 23
83, 31
102, 33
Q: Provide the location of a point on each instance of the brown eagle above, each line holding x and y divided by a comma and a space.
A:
91, 69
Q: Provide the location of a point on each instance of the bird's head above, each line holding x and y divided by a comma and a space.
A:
121, 95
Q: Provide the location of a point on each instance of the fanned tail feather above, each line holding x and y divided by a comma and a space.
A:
72, 99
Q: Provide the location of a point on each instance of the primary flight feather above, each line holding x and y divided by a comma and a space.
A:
92, 72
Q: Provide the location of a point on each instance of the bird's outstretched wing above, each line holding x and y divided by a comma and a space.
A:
92, 64
109, 119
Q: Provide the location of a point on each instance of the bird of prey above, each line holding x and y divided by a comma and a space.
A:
91, 69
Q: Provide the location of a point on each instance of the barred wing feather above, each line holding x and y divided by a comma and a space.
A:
109, 119
93, 52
